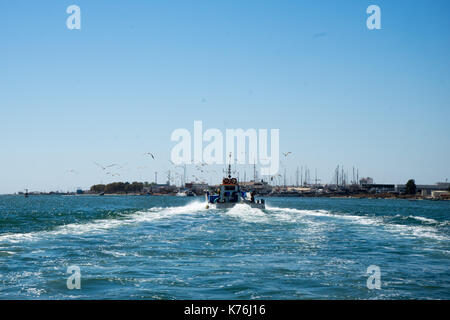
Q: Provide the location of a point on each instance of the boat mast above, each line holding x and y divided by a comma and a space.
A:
229, 168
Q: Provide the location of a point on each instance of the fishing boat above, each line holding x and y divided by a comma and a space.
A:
230, 194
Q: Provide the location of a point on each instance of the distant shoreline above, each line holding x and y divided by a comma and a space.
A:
330, 196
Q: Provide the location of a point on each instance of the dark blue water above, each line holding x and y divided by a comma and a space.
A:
174, 248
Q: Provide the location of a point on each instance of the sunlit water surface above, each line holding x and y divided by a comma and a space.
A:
144, 247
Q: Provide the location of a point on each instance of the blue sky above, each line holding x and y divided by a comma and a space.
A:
137, 70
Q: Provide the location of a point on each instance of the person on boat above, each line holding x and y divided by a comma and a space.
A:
252, 194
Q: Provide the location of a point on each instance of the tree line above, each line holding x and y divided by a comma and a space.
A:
119, 187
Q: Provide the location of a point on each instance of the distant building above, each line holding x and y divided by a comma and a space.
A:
443, 185
429, 188
160, 188
426, 188
379, 187
197, 188
260, 187
439, 194
367, 180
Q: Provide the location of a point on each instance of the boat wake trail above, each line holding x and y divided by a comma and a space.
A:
103, 225
247, 213
424, 230
420, 228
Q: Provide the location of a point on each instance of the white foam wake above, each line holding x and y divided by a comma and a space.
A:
103, 225
423, 219
247, 213
403, 230
324, 213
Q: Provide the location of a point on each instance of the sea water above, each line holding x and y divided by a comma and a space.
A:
149, 247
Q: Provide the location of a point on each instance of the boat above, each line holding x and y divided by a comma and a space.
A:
186, 193
230, 194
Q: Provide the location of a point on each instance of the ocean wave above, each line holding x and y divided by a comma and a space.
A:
102, 225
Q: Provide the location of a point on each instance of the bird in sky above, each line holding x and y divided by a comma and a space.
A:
112, 174
286, 153
105, 167
199, 167
175, 165
149, 154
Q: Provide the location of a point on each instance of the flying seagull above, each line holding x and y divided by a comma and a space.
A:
150, 154
105, 167
113, 174
286, 153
